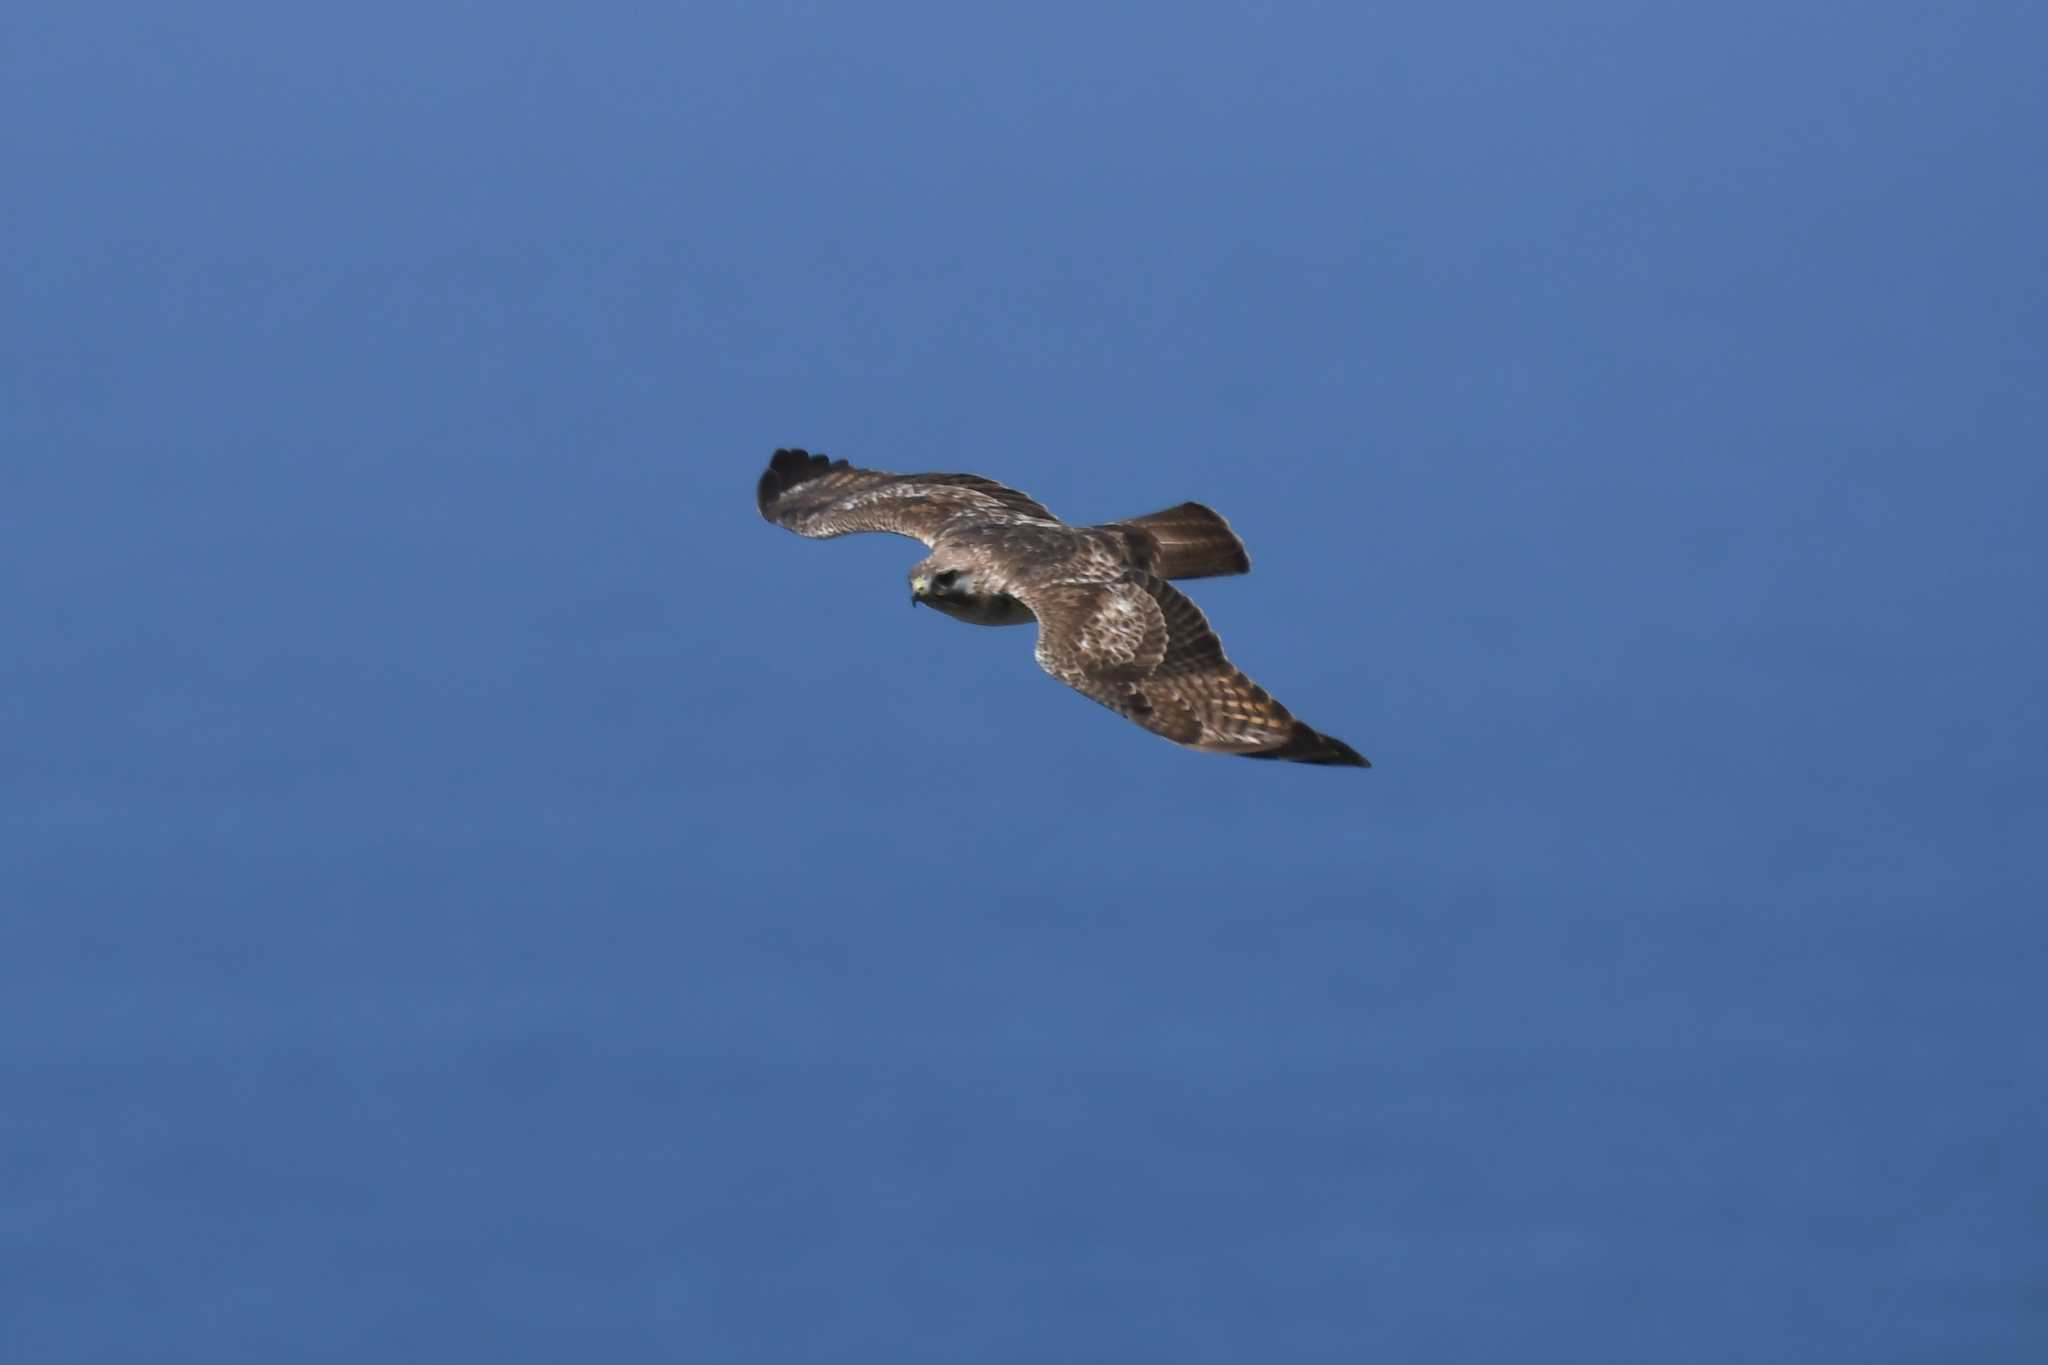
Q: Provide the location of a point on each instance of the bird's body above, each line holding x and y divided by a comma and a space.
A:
1110, 625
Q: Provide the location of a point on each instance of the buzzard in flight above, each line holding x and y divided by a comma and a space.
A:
1109, 624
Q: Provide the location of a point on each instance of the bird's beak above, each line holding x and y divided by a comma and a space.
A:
917, 589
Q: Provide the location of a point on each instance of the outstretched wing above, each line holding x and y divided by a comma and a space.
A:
814, 496
1140, 647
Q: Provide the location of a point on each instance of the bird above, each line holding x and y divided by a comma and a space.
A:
1110, 624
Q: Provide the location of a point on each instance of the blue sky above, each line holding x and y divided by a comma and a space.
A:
473, 881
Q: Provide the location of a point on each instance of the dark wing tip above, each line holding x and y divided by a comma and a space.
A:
786, 469
1312, 746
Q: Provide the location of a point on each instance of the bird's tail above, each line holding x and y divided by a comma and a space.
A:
1188, 541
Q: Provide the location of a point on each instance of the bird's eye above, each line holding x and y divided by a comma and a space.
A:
945, 578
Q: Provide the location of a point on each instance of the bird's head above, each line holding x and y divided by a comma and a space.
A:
953, 582
943, 580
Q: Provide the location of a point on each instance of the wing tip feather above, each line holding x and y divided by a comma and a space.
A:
1305, 745
787, 468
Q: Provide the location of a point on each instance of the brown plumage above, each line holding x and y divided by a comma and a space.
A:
1188, 541
1109, 624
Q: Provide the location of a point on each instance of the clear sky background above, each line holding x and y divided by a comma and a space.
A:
471, 891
